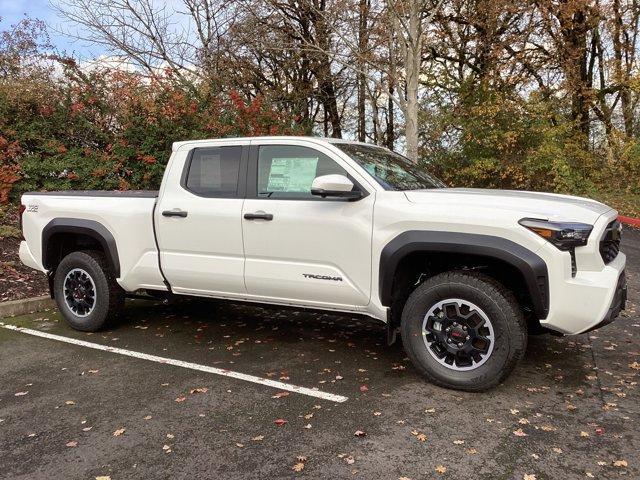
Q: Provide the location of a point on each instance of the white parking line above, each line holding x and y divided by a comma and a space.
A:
311, 392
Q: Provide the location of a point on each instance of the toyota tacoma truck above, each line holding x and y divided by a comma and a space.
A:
463, 275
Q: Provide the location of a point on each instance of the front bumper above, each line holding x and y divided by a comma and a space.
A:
587, 301
618, 304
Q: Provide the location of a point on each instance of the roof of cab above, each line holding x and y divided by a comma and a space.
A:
177, 145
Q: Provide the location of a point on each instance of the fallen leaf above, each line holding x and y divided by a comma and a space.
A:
635, 365
180, 399
86, 429
529, 476
441, 469
422, 437
377, 414
280, 395
148, 417
72, 444
584, 434
198, 390
280, 421
103, 477
430, 410
360, 433
548, 428
93, 371
258, 438
20, 394
557, 450
119, 432
298, 467
519, 433
514, 411
458, 442
364, 388
620, 463
69, 402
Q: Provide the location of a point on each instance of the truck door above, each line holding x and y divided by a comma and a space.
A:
298, 246
198, 221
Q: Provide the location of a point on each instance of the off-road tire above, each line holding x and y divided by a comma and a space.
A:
500, 306
109, 296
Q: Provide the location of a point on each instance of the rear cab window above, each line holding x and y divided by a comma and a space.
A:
213, 171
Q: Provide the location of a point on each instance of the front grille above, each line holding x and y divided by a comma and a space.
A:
610, 243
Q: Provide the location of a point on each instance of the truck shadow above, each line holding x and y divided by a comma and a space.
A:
559, 362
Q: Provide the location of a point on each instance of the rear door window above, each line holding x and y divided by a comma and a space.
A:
214, 172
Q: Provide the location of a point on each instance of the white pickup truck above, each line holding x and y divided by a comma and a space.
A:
463, 274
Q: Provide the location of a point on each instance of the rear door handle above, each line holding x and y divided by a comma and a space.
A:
175, 213
258, 216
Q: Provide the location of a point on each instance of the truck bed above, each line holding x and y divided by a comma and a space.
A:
100, 193
126, 215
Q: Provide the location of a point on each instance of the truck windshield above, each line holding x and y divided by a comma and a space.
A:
389, 169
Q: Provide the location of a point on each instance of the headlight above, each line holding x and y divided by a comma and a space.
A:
564, 235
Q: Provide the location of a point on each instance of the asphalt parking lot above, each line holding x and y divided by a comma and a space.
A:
570, 410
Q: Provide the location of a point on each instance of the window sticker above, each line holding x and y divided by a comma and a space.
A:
210, 171
292, 174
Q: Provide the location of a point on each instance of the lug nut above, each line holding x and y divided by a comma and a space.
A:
468, 337
460, 344
464, 327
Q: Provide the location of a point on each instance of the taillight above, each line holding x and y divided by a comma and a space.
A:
21, 212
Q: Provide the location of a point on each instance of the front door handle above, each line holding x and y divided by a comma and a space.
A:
174, 213
258, 216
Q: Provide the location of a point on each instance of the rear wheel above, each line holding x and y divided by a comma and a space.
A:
86, 291
463, 330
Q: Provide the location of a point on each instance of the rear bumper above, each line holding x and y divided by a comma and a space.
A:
27, 257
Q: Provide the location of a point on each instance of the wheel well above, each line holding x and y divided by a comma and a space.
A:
62, 244
416, 267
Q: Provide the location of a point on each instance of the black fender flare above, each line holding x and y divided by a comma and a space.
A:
531, 266
91, 228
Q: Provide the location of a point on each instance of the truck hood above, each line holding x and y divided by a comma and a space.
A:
548, 206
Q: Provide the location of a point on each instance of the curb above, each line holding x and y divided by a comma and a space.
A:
634, 222
25, 305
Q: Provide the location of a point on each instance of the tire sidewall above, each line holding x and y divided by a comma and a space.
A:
97, 318
505, 335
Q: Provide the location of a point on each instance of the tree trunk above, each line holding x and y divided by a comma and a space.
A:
413, 59
574, 28
362, 48
621, 76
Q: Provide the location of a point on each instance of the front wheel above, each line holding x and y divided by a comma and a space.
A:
463, 330
86, 291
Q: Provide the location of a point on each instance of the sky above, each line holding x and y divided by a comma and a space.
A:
12, 11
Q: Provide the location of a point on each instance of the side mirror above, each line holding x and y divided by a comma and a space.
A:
334, 186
